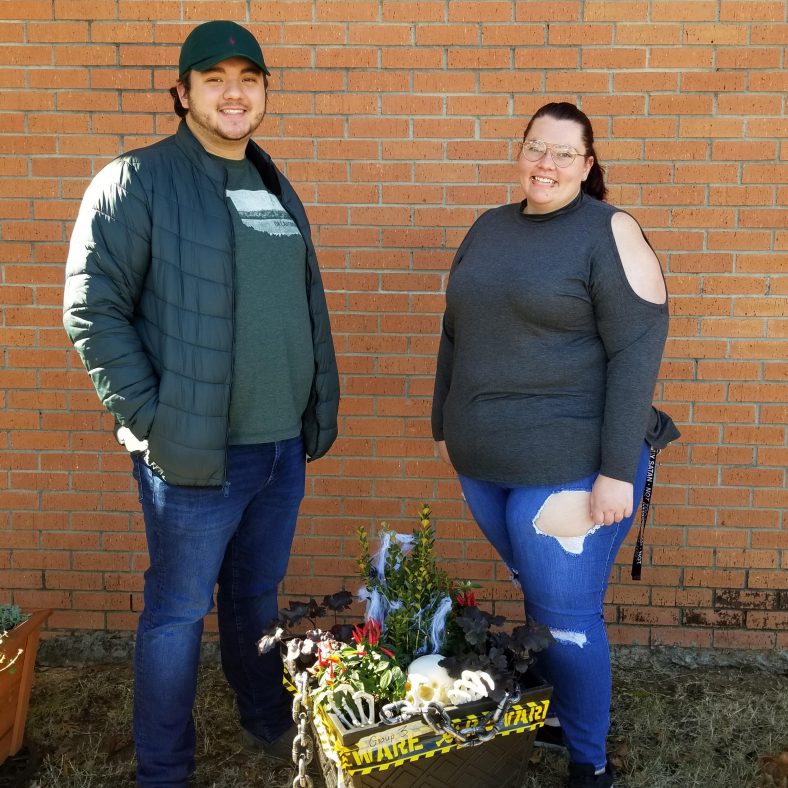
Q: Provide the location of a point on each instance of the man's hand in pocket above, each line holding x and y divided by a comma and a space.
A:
128, 439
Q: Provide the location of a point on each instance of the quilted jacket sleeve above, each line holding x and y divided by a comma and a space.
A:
108, 259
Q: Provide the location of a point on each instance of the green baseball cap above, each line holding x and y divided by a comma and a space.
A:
212, 42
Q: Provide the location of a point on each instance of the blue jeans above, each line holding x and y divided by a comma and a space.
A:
239, 536
564, 582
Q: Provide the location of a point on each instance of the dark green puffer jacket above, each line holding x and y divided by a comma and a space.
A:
149, 303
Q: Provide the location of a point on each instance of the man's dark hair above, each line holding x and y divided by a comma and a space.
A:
186, 81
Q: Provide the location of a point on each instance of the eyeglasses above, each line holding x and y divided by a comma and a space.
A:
562, 155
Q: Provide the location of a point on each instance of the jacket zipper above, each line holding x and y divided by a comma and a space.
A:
226, 481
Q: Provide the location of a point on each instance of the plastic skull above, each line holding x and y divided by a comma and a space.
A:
427, 681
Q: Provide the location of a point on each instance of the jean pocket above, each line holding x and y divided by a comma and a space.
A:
136, 472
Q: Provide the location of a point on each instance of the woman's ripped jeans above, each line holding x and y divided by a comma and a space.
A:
563, 562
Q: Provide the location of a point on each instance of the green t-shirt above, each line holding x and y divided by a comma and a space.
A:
273, 363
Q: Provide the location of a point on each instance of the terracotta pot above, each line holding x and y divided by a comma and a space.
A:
16, 682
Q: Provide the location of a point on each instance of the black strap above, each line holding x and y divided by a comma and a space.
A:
637, 559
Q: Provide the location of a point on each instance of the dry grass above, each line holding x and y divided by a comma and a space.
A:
673, 727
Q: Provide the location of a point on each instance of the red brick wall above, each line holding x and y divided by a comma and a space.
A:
397, 121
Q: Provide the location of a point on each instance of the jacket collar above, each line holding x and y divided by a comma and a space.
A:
188, 143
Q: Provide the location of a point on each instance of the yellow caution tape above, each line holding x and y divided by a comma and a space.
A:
392, 746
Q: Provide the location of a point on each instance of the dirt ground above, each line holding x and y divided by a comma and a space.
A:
673, 727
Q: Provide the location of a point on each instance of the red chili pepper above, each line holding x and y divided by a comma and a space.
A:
467, 599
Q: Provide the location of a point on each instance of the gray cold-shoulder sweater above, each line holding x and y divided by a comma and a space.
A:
548, 358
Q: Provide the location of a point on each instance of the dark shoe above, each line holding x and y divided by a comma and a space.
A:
281, 748
581, 775
550, 737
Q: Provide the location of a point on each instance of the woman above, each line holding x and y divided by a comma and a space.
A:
556, 318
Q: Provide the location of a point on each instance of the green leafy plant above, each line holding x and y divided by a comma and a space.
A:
10, 617
411, 587
361, 666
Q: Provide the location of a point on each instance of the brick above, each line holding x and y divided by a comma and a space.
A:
346, 57
619, 58
748, 600
713, 618
648, 34
682, 57
750, 559
747, 104
630, 635
563, 57
756, 349
715, 34
768, 579
774, 620
677, 11
761, 173
751, 11
355, 11
85, 55
725, 81
578, 82
730, 578
748, 57
681, 105
412, 57
743, 640
768, 34
648, 615
681, 636
479, 58
26, 55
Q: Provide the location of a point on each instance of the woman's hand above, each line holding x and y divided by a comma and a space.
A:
444, 455
611, 500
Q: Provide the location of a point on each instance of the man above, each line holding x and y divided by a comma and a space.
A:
194, 299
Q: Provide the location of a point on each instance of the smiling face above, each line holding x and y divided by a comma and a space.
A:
225, 105
546, 186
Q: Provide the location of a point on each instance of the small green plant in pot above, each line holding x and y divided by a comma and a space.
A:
10, 617
19, 634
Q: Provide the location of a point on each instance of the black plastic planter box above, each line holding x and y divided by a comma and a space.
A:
412, 755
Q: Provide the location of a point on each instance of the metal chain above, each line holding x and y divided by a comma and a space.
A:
437, 718
303, 749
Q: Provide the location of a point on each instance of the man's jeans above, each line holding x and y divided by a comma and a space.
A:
564, 582
239, 536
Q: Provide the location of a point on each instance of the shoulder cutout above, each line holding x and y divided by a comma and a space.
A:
641, 265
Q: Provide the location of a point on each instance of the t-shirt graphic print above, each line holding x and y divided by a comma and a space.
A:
261, 211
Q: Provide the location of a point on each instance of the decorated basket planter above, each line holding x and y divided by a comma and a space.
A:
427, 692
18, 647
413, 755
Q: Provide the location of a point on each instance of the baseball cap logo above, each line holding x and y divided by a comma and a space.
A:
232, 41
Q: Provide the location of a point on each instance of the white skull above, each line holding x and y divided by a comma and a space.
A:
427, 681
